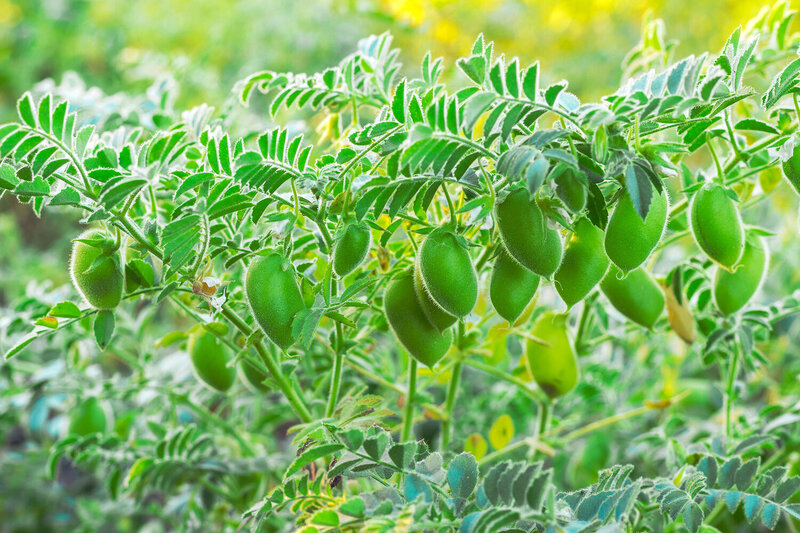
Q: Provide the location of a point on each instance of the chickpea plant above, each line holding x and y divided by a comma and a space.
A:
418, 221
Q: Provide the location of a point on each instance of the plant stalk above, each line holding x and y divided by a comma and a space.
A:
450, 402
729, 400
408, 417
338, 357
297, 403
545, 412
336, 381
586, 317
535, 394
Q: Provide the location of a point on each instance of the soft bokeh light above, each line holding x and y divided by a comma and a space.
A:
208, 45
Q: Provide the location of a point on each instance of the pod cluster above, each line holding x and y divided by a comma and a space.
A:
531, 249
422, 304
629, 242
741, 259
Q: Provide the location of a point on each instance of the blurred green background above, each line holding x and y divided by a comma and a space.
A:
208, 45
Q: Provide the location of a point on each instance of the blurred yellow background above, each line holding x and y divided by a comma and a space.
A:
208, 45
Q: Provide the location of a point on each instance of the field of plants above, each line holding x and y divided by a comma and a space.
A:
473, 267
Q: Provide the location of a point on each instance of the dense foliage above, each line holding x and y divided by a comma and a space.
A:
322, 329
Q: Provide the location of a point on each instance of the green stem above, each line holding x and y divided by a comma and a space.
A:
545, 411
714, 514
673, 238
485, 255
450, 402
374, 377
534, 394
296, 199
212, 419
355, 111
153, 204
286, 203
336, 381
586, 317
594, 426
678, 209
353, 162
774, 459
728, 126
297, 403
526, 443
588, 428
75, 161
796, 106
128, 204
569, 138
753, 171
488, 182
408, 417
450, 206
674, 125
186, 309
553, 110
720, 172
783, 314
472, 144
134, 231
729, 400
326, 236
216, 489
338, 355
435, 409
763, 143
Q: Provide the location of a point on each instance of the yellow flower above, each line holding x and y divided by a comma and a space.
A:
10, 13
413, 12
445, 32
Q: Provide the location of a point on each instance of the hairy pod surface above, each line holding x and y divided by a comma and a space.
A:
552, 362
437, 316
100, 283
584, 264
630, 240
511, 288
570, 190
88, 417
637, 296
210, 358
447, 272
351, 248
274, 296
525, 234
732, 290
252, 377
716, 225
412, 328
